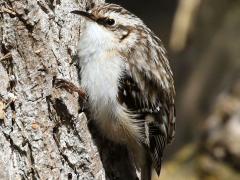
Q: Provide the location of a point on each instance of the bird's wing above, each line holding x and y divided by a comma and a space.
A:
147, 89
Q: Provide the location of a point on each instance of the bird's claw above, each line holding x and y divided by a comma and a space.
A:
70, 87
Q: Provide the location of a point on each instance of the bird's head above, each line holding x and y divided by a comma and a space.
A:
112, 25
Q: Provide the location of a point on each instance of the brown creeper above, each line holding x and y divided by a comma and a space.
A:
126, 74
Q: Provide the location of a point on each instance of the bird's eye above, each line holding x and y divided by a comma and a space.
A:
110, 22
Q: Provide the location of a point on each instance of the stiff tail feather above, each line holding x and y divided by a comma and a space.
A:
148, 172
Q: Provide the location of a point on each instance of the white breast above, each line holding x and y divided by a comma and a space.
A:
100, 78
101, 70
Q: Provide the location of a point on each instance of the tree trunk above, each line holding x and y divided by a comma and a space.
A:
43, 132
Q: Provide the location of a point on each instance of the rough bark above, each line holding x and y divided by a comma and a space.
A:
43, 132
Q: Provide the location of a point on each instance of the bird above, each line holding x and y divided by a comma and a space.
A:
125, 71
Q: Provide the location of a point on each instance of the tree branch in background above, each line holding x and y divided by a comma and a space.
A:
183, 21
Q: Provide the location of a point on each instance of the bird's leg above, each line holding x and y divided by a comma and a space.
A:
70, 87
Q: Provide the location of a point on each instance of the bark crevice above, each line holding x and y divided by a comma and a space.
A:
44, 134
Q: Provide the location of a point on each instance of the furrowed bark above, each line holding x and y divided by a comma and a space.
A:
43, 132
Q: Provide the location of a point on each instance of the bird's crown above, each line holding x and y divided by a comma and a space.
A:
111, 16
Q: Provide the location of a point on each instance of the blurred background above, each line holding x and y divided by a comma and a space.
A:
203, 41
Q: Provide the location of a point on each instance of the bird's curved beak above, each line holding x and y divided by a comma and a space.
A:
85, 14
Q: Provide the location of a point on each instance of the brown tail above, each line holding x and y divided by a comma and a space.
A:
155, 176
146, 171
